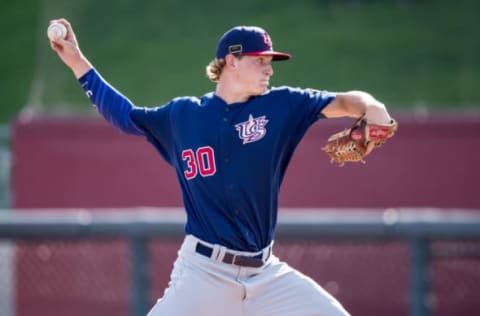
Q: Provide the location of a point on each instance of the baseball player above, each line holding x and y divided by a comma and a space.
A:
230, 149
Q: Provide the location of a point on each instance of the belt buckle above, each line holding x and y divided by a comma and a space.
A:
245, 261
240, 260
234, 260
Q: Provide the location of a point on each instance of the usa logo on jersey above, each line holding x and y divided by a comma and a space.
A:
252, 130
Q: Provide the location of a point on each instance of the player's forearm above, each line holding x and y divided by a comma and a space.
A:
114, 107
80, 67
357, 104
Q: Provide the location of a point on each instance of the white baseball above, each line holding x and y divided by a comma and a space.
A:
56, 31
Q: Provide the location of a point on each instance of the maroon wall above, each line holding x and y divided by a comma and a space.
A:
82, 162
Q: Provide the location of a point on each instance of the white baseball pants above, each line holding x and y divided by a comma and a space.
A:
202, 286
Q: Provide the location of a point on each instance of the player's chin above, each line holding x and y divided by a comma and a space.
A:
263, 87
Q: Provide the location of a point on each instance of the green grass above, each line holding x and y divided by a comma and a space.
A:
422, 54
16, 54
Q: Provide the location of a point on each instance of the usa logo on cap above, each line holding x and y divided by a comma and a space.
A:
267, 40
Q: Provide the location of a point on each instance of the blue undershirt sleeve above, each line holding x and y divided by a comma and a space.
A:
113, 106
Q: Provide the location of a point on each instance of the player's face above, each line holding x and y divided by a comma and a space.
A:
254, 73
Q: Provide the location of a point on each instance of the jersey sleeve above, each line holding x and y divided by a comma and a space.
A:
156, 126
118, 110
307, 104
113, 106
311, 102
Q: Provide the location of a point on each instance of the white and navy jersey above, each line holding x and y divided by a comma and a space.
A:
230, 159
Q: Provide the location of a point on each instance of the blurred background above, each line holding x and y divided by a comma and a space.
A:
413, 55
420, 57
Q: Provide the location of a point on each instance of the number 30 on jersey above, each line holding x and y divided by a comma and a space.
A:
200, 161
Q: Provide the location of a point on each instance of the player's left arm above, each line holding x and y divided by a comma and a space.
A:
373, 127
357, 104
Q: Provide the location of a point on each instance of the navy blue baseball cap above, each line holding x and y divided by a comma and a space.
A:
248, 41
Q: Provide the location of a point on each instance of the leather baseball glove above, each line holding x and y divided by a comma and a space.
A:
353, 144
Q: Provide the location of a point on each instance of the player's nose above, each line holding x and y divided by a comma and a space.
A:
268, 70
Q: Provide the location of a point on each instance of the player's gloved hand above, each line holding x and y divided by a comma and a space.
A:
353, 144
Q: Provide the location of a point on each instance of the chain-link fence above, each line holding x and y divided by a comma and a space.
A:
5, 163
119, 264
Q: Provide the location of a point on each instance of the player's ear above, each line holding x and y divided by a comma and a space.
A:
231, 61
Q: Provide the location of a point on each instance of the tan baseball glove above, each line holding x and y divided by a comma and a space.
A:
353, 144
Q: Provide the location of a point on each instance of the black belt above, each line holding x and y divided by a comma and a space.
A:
230, 258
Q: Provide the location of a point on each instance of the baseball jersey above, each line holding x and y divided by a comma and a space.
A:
230, 159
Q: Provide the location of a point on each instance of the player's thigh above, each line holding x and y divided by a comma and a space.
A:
291, 293
195, 292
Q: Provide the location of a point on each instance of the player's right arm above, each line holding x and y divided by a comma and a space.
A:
114, 106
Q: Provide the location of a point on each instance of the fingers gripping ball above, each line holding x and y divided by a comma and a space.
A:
56, 31
352, 145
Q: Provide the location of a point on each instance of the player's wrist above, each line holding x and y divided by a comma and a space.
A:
81, 67
377, 114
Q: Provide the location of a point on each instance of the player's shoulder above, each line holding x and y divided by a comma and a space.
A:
298, 93
294, 90
282, 90
279, 93
185, 101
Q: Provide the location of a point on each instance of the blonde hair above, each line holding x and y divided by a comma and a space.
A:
214, 69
